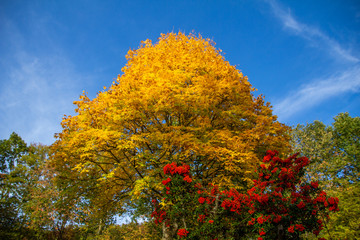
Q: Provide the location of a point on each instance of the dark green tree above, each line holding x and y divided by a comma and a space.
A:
11, 190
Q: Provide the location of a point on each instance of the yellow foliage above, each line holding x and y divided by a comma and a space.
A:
142, 185
177, 100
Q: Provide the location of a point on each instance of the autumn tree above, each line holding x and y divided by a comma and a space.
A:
177, 100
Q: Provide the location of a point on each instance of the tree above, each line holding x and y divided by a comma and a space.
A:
132, 230
12, 186
49, 213
346, 138
334, 150
334, 153
27, 195
11, 151
177, 100
345, 224
315, 140
279, 206
346, 135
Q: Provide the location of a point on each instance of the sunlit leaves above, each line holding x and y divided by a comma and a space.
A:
177, 100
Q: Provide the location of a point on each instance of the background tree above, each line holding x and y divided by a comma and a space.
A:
316, 141
31, 206
177, 100
60, 210
334, 152
12, 189
132, 230
51, 215
346, 135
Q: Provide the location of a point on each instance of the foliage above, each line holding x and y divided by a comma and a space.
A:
12, 189
346, 135
49, 214
334, 153
315, 140
11, 150
31, 206
279, 206
178, 100
345, 224
333, 150
133, 230
179, 106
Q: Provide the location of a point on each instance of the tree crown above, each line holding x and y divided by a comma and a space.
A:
177, 100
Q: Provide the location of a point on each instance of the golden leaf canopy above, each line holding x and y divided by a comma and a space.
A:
177, 100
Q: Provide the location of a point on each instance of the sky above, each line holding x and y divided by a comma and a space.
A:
303, 56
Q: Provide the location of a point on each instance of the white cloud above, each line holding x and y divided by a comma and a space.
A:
318, 91
36, 94
37, 88
311, 34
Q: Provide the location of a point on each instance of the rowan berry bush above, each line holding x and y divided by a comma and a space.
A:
280, 205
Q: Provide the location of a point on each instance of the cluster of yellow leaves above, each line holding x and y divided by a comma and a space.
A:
177, 100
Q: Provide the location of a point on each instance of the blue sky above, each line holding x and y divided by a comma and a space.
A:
303, 56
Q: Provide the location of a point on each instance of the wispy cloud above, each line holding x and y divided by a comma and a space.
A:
36, 89
311, 34
318, 91
321, 88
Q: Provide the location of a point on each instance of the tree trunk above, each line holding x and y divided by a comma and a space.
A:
100, 227
280, 233
169, 232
